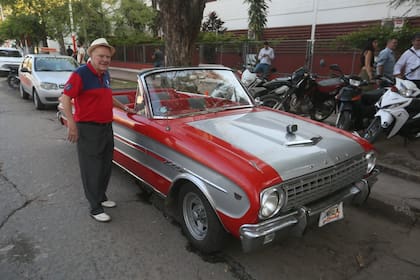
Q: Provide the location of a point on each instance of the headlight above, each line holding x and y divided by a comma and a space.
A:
49, 86
371, 161
271, 202
354, 82
406, 92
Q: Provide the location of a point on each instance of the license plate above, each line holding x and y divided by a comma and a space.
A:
332, 214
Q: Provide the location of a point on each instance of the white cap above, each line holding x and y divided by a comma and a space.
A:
100, 42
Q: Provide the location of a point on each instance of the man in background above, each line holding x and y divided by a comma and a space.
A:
69, 51
386, 58
408, 66
157, 58
265, 57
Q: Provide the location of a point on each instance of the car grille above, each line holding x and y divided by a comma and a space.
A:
51, 99
308, 188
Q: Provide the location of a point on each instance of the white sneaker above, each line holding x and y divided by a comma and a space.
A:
102, 217
108, 204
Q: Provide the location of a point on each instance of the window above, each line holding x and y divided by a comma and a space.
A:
10, 53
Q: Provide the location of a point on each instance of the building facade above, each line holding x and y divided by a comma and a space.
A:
307, 25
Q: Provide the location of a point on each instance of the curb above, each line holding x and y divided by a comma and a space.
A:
401, 210
398, 211
399, 172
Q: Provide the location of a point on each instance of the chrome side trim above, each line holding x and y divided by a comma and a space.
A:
138, 178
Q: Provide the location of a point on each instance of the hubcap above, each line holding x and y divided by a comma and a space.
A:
195, 216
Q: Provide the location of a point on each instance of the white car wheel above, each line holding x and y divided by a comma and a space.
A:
38, 103
23, 93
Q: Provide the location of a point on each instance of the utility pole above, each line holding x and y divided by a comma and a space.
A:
73, 34
311, 43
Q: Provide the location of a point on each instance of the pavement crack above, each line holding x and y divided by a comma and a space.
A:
27, 202
13, 185
404, 260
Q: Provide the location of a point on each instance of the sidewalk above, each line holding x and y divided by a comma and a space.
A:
402, 161
394, 158
398, 158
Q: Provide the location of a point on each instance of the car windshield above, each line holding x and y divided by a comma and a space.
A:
56, 64
183, 92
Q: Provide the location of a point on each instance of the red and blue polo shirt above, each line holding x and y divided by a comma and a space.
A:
91, 93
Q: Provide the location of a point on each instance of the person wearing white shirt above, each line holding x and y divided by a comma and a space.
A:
408, 66
265, 56
81, 53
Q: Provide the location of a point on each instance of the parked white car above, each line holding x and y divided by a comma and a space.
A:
9, 57
43, 76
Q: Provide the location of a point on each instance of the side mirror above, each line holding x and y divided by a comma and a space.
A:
258, 101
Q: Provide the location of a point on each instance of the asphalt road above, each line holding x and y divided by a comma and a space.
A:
46, 232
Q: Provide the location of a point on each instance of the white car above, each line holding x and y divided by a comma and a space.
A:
9, 57
43, 76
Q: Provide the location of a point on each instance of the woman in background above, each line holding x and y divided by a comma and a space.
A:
367, 59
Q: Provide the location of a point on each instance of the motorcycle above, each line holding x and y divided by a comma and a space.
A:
305, 94
356, 108
258, 85
13, 77
398, 112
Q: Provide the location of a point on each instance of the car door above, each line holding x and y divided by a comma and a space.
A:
25, 77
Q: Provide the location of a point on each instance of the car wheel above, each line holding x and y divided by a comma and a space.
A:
344, 120
199, 221
323, 110
374, 130
23, 93
38, 104
13, 82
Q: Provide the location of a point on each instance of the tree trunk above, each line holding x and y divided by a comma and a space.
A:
181, 22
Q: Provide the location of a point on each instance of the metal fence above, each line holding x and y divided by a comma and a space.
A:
290, 54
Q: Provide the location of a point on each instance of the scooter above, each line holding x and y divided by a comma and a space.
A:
305, 94
13, 77
398, 112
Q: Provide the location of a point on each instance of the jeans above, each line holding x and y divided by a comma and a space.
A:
262, 68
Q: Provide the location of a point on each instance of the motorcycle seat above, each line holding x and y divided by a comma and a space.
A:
372, 96
257, 91
278, 82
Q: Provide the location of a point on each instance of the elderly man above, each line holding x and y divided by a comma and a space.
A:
91, 124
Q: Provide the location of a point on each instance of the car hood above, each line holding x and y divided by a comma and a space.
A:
263, 134
54, 77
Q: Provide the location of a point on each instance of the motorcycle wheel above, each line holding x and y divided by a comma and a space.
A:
374, 130
272, 101
344, 120
323, 110
13, 82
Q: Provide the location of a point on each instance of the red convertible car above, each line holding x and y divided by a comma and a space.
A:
226, 165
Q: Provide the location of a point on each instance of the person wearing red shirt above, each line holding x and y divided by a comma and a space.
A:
91, 124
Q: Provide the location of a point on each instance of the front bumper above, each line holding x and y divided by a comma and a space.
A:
49, 97
254, 236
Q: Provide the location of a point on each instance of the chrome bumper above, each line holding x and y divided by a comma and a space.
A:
254, 236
